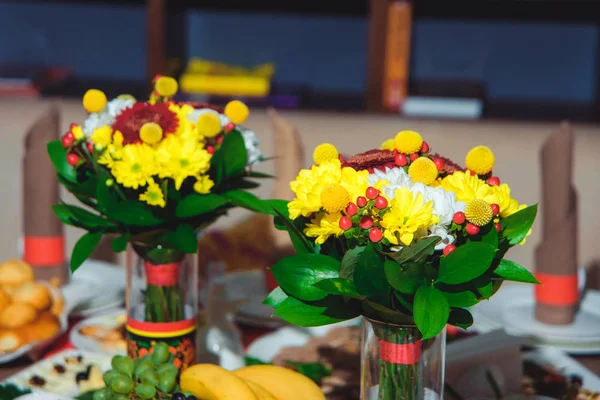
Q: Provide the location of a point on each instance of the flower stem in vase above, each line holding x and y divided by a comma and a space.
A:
163, 294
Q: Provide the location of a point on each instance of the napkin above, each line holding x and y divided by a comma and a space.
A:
44, 246
556, 256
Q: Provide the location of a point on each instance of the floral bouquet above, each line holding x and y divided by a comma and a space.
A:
154, 173
403, 237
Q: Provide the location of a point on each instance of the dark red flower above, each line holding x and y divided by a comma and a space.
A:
369, 159
131, 120
450, 166
197, 105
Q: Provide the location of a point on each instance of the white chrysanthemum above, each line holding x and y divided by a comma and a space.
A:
394, 178
444, 202
194, 115
252, 143
440, 231
106, 116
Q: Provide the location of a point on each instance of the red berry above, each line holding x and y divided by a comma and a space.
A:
361, 201
425, 148
459, 218
381, 168
72, 159
229, 127
72, 125
341, 158
439, 163
493, 181
472, 229
67, 140
90, 147
366, 222
400, 160
473, 173
372, 193
414, 156
220, 139
498, 227
345, 223
375, 235
381, 202
210, 149
495, 209
371, 170
351, 209
449, 249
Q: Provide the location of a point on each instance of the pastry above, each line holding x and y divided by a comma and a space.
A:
44, 327
15, 273
58, 301
4, 299
34, 294
9, 341
16, 315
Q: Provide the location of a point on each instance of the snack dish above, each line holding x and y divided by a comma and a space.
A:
14, 273
101, 334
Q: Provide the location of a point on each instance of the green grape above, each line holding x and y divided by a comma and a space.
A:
115, 361
145, 391
108, 376
102, 394
117, 396
143, 365
121, 384
167, 382
161, 353
149, 376
166, 368
125, 366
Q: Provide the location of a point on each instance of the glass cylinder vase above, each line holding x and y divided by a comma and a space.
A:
162, 301
397, 364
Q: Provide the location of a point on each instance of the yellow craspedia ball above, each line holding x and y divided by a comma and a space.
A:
151, 133
334, 198
388, 145
408, 142
209, 125
126, 97
423, 170
237, 111
325, 152
480, 160
94, 100
478, 212
166, 86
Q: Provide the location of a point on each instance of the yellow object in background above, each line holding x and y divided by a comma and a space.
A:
208, 77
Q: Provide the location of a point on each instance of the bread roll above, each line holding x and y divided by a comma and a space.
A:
15, 273
16, 315
34, 294
4, 299
9, 341
58, 301
44, 327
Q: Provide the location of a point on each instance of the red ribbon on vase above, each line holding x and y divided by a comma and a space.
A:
162, 274
406, 354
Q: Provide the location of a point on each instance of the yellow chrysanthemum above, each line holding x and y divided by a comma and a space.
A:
479, 212
203, 184
507, 204
151, 133
408, 218
153, 195
102, 137
308, 186
480, 159
166, 86
323, 226
423, 170
184, 127
355, 182
94, 100
180, 158
136, 166
388, 145
77, 132
334, 198
325, 152
209, 125
468, 188
114, 151
237, 112
408, 142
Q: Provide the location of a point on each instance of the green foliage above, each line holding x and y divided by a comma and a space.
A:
466, 263
516, 226
369, 274
431, 311
298, 273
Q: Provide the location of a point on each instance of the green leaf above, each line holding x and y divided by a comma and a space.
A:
247, 200
330, 310
63, 213
276, 297
103, 194
313, 371
276, 207
431, 311
298, 273
511, 271
256, 174
131, 212
58, 156
382, 313
339, 286
234, 153
84, 247
254, 361
185, 239
489, 235
461, 299
119, 243
301, 244
369, 274
404, 302
87, 218
461, 318
349, 261
198, 204
404, 278
484, 286
516, 226
466, 263
416, 252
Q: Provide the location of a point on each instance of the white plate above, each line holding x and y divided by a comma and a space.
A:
22, 378
109, 320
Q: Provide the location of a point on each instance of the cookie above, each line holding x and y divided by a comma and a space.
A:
16, 315
15, 273
34, 294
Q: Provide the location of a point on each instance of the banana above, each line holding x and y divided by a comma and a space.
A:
260, 391
211, 382
283, 383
